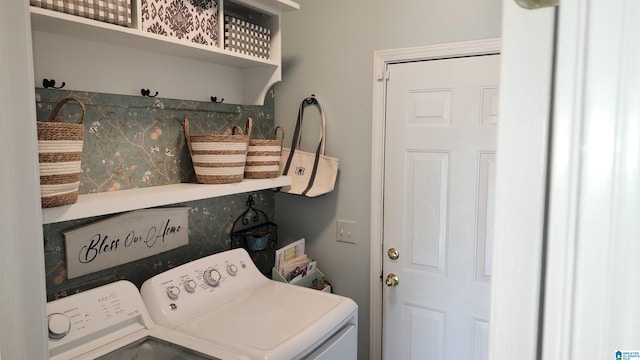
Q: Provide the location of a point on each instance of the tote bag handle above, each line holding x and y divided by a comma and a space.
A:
296, 140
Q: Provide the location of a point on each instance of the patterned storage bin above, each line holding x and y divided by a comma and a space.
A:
189, 20
246, 38
111, 11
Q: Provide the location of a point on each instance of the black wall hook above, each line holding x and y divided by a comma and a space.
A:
214, 99
311, 99
147, 93
51, 84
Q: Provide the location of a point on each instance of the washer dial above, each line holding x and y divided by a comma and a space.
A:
59, 325
232, 269
190, 286
212, 277
173, 292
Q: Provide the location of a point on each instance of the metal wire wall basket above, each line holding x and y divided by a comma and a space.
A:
253, 231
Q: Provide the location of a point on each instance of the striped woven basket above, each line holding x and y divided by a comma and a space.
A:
60, 154
263, 157
219, 159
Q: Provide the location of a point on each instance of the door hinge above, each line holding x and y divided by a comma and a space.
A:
384, 76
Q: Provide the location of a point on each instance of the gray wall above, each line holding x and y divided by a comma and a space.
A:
328, 50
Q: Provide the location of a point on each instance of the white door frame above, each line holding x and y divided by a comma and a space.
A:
591, 299
23, 333
381, 59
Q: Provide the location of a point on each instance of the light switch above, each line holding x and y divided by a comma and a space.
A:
346, 231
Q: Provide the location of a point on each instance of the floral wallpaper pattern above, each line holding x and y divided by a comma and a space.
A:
133, 142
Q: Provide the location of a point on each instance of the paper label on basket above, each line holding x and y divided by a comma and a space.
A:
125, 238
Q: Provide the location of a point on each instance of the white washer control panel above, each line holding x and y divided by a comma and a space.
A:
208, 282
94, 313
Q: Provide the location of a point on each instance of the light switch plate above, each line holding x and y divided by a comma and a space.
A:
346, 231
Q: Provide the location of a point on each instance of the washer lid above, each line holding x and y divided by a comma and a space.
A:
270, 317
150, 348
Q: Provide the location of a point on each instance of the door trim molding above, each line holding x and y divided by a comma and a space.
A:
590, 305
23, 311
381, 60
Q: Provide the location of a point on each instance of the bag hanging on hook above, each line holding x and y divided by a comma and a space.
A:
312, 174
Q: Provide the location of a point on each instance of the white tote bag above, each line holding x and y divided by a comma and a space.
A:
312, 174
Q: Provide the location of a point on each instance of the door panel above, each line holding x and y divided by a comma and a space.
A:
438, 207
430, 107
484, 231
425, 329
426, 228
480, 340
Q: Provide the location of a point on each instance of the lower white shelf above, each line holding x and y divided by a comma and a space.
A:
126, 200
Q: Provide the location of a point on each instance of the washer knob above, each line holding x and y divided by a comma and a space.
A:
232, 269
59, 325
190, 286
212, 277
173, 292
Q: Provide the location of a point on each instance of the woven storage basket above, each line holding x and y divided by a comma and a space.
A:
110, 11
60, 154
263, 157
219, 159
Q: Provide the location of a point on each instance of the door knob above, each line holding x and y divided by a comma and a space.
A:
392, 280
393, 253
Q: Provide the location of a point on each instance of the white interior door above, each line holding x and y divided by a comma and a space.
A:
438, 207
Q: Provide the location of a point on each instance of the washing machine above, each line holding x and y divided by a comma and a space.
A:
111, 322
224, 300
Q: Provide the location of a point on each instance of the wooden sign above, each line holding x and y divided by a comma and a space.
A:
125, 238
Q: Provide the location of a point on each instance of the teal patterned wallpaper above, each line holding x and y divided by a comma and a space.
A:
132, 142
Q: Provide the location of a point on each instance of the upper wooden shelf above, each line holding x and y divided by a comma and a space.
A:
126, 200
244, 78
59, 23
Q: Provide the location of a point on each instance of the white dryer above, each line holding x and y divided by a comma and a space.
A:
223, 299
111, 322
